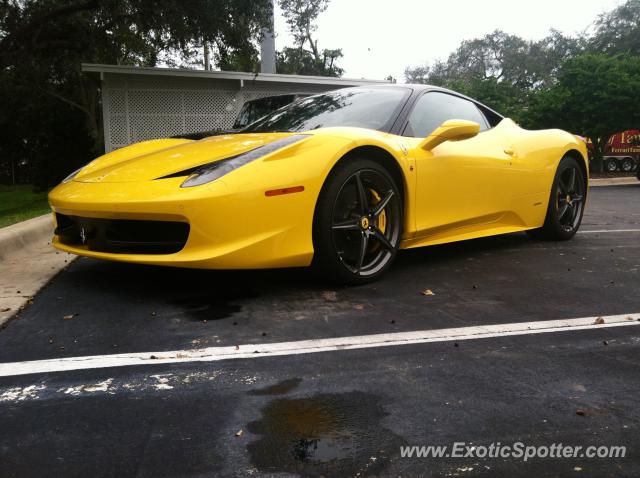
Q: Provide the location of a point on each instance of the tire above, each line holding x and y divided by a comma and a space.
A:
357, 223
610, 165
626, 165
566, 203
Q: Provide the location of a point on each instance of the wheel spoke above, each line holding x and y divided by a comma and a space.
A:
570, 213
378, 208
364, 245
577, 198
362, 196
572, 181
564, 190
381, 238
351, 224
562, 210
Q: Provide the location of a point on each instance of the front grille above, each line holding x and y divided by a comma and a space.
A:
122, 235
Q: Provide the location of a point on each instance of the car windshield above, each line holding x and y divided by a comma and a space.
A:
256, 109
373, 108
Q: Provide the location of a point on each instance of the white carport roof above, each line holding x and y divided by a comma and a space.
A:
227, 75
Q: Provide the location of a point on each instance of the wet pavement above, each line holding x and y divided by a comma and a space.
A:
341, 413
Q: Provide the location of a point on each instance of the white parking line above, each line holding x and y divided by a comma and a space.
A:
247, 351
603, 231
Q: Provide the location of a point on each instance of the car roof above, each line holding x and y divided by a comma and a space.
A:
419, 88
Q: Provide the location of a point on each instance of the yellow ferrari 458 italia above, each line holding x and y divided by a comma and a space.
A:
339, 180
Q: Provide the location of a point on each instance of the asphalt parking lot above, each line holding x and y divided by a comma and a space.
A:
347, 411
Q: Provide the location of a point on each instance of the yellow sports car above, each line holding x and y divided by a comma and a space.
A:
340, 181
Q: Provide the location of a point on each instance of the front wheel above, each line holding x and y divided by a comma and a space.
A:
358, 223
566, 203
610, 165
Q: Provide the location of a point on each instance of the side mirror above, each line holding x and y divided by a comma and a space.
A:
450, 130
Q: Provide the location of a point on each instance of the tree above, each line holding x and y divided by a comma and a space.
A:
571, 83
618, 31
594, 97
504, 58
500, 70
44, 42
301, 16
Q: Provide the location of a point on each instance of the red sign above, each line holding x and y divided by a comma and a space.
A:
627, 142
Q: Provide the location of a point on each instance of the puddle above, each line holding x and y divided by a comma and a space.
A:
323, 435
211, 306
280, 388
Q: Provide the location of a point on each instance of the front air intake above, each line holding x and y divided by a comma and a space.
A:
122, 236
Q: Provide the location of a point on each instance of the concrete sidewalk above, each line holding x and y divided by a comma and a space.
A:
28, 262
614, 181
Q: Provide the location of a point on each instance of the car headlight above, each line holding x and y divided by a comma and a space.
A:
72, 175
211, 172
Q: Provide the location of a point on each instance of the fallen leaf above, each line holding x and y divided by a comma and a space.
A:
69, 317
6, 309
329, 296
580, 412
599, 321
358, 307
427, 292
577, 468
237, 347
239, 433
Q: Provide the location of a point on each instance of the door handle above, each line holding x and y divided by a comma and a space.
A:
509, 151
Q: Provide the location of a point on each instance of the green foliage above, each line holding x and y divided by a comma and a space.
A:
594, 96
501, 58
504, 97
503, 71
588, 85
18, 203
50, 111
305, 58
297, 61
617, 31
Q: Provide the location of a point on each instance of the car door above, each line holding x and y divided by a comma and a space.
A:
460, 184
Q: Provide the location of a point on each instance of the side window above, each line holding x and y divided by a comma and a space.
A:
434, 108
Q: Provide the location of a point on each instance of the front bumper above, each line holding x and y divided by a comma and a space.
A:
228, 228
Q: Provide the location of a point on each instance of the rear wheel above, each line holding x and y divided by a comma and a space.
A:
566, 203
626, 165
358, 223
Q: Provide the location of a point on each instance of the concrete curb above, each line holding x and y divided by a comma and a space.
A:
28, 262
613, 181
18, 236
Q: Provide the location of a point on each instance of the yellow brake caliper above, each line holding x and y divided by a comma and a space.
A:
380, 221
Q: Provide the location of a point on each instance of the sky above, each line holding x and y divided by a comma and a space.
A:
383, 37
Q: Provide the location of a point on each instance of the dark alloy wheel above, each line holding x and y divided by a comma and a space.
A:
566, 204
570, 198
358, 223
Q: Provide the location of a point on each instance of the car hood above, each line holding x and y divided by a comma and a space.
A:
154, 159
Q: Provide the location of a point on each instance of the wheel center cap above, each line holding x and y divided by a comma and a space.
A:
568, 199
364, 222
